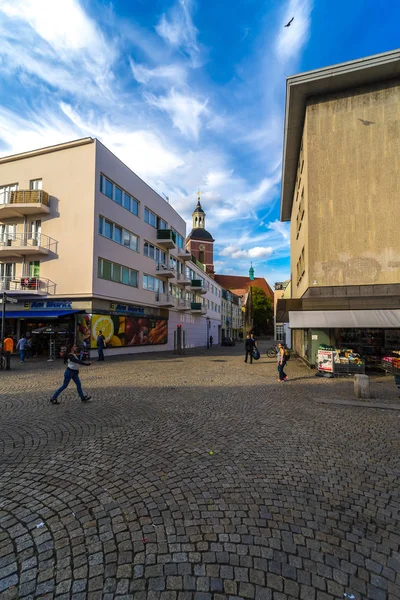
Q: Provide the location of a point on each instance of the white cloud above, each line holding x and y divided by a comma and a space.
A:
177, 28
145, 75
291, 39
282, 228
185, 111
233, 251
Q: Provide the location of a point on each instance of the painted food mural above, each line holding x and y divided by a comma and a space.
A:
122, 331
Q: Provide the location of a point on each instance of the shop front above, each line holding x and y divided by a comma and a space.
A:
32, 318
365, 340
123, 326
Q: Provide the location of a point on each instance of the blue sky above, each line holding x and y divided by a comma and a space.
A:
188, 93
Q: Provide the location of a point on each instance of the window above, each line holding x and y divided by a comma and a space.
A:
301, 266
115, 193
300, 214
5, 191
35, 184
150, 217
114, 272
34, 268
161, 224
152, 252
179, 238
153, 284
114, 232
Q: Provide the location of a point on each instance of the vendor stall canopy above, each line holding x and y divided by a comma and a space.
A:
52, 330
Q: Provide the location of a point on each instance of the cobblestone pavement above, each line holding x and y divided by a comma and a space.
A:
196, 477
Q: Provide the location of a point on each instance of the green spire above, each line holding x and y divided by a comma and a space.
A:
251, 272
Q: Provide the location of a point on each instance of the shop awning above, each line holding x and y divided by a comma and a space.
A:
38, 314
331, 319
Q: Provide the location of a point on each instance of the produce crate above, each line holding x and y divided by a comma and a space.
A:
348, 368
389, 368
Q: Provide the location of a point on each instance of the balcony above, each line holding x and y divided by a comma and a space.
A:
24, 244
182, 279
24, 202
184, 254
166, 238
183, 304
198, 308
37, 286
197, 286
166, 270
165, 300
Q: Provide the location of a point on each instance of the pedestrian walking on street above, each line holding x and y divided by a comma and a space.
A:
21, 347
72, 372
101, 344
211, 341
281, 356
249, 346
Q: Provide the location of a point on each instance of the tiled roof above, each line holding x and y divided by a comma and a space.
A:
237, 283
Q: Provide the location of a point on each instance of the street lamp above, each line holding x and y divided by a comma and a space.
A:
208, 332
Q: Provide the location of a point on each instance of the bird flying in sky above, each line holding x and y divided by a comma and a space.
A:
288, 24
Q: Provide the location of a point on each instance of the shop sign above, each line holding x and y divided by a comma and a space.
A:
123, 308
48, 304
325, 361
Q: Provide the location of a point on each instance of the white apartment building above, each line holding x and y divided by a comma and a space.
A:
231, 315
87, 245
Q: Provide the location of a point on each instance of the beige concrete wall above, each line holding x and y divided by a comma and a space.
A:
68, 176
353, 151
299, 235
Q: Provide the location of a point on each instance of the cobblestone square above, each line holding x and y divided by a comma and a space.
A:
197, 477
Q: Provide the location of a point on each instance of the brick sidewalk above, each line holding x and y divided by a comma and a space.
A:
196, 477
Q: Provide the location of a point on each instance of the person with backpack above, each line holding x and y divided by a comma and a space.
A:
249, 345
283, 356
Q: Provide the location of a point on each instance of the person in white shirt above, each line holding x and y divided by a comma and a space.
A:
72, 372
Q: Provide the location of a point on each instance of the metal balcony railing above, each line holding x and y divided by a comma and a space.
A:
169, 266
27, 240
38, 285
25, 197
197, 283
165, 299
183, 304
198, 307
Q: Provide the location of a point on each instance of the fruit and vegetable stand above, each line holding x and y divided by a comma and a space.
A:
391, 364
339, 361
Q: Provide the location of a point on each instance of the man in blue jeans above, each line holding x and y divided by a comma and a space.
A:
101, 344
72, 372
21, 347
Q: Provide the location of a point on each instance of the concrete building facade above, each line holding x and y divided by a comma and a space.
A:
340, 184
86, 243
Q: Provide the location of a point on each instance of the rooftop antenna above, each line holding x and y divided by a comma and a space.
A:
166, 197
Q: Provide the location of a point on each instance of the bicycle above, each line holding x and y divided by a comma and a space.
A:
272, 352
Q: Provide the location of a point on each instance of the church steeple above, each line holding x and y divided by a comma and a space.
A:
251, 272
198, 215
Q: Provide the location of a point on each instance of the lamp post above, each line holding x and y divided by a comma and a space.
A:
208, 332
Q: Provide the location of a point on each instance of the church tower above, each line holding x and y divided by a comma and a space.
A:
200, 242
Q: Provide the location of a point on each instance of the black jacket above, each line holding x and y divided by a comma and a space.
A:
249, 344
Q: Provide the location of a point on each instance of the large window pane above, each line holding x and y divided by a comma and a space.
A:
108, 229
117, 195
145, 282
108, 189
151, 251
106, 270
146, 215
134, 243
134, 278
127, 238
118, 234
101, 221
135, 207
116, 272
127, 201
146, 249
125, 275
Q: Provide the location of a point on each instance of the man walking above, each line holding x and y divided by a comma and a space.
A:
211, 341
101, 344
281, 357
21, 347
72, 372
249, 347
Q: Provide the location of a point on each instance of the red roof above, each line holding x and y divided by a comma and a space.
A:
236, 282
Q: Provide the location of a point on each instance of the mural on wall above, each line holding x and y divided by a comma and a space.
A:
121, 331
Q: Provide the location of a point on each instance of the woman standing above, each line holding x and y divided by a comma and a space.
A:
72, 372
281, 363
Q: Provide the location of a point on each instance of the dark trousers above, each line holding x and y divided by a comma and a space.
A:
68, 375
281, 371
249, 353
101, 353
